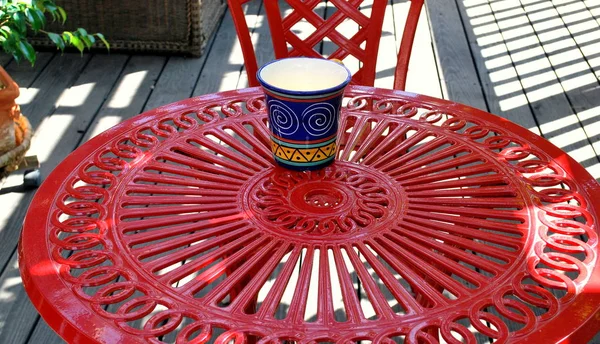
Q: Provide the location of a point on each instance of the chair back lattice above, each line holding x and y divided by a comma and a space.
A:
361, 45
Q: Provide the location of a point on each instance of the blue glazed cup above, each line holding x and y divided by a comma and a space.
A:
303, 98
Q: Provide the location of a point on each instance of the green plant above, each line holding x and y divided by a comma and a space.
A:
18, 17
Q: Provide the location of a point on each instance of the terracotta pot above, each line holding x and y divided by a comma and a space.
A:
10, 134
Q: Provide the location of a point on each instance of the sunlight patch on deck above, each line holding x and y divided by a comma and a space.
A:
513, 103
558, 124
105, 123
8, 285
544, 92
82, 91
126, 90
50, 134
27, 95
10, 201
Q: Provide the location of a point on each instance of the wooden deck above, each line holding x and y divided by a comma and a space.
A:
535, 62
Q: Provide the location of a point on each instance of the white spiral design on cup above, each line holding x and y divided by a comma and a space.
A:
319, 118
285, 121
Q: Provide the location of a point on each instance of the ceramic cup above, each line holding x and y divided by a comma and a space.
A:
303, 99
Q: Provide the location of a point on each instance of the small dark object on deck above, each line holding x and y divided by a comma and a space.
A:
32, 178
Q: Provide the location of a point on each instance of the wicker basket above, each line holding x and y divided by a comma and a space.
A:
157, 26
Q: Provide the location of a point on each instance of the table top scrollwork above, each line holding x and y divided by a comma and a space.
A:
454, 223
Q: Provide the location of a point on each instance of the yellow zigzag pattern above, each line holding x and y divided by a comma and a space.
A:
303, 154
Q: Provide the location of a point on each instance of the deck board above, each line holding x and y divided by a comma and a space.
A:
458, 75
535, 63
5, 59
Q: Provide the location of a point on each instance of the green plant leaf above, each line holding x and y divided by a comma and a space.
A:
5, 30
77, 43
35, 24
89, 40
84, 36
14, 35
6, 47
57, 39
27, 50
17, 56
19, 20
18, 17
101, 36
40, 15
67, 36
86, 41
36, 19
50, 6
11, 8
39, 4
62, 13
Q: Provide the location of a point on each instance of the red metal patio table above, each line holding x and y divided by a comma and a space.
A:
450, 223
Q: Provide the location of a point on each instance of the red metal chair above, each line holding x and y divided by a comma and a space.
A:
287, 44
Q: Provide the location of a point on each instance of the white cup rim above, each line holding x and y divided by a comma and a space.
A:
304, 93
